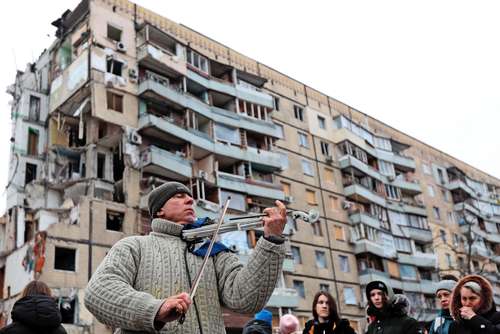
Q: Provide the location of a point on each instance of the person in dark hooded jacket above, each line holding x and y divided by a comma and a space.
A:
326, 319
388, 313
35, 313
261, 324
472, 307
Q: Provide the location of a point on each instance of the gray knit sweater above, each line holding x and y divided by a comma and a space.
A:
139, 272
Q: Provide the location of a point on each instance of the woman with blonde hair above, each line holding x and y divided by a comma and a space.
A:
36, 312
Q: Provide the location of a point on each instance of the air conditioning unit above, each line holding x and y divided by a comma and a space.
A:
132, 75
479, 194
488, 215
346, 205
493, 196
202, 174
329, 159
289, 198
391, 178
110, 80
120, 47
135, 137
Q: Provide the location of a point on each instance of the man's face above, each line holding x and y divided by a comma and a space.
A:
444, 298
178, 209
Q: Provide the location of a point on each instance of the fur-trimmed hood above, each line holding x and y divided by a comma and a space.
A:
486, 295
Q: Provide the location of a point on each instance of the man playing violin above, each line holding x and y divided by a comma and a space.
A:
142, 283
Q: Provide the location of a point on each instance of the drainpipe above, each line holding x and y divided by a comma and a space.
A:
327, 230
91, 222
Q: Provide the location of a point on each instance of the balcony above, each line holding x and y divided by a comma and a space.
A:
284, 297
162, 162
425, 260
162, 127
479, 251
417, 234
364, 218
239, 91
406, 163
349, 161
428, 287
407, 186
249, 186
368, 275
65, 90
458, 184
359, 192
466, 206
408, 206
362, 246
153, 57
496, 259
173, 95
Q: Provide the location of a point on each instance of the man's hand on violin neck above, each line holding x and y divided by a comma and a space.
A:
275, 221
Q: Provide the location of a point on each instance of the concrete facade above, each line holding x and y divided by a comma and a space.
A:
125, 99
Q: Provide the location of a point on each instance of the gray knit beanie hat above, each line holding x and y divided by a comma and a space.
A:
158, 196
447, 284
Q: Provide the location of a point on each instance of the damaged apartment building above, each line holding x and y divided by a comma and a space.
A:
125, 99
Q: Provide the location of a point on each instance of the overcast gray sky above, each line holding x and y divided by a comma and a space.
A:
428, 68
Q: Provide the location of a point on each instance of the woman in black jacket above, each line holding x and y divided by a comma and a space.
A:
389, 315
36, 312
472, 307
326, 319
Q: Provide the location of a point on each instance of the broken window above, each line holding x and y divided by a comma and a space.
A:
65, 55
102, 130
29, 230
114, 101
276, 102
197, 60
114, 66
101, 162
32, 141
114, 33
67, 309
65, 259
114, 221
298, 112
325, 148
34, 112
118, 166
30, 173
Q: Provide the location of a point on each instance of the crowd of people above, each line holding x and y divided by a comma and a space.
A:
142, 286
466, 307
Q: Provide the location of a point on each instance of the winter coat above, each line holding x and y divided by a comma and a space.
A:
314, 327
486, 320
393, 318
35, 315
255, 326
442, 323
139, 272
